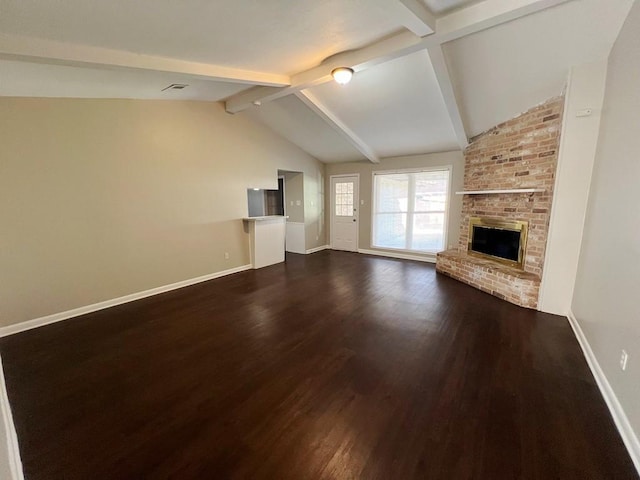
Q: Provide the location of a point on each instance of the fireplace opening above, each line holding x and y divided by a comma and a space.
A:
499, 240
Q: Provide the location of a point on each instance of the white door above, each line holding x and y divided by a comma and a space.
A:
344, 213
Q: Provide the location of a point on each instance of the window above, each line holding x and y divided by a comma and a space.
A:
344, 199
410, 209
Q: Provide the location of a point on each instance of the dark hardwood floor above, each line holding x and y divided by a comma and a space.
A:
331, 366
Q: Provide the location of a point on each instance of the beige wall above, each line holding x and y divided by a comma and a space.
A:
103, 198
314, 218
366, 169
294, 193
605, 299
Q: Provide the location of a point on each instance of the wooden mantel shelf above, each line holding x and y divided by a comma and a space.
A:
487, 192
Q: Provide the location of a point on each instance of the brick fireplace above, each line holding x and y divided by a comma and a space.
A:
519, 154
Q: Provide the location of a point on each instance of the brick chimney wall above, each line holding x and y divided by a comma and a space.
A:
519, 153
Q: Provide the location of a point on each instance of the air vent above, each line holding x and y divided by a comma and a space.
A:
176, 86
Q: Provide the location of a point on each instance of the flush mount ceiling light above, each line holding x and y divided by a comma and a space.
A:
342, 75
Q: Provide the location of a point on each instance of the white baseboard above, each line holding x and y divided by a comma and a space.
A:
617, 412
10, 440
317, 249
57, 317
403, 256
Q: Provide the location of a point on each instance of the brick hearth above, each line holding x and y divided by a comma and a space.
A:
520, 153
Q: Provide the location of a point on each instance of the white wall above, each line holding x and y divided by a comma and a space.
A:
10, 465
605, 301
294, 196
294, 209
314, 201
578, 140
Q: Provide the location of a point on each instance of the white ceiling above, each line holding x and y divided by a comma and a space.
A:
445, 6
24, 79
280, 36
399, 102
395, 107
505, 70
293, 120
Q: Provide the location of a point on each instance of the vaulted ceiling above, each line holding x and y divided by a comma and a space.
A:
429, 73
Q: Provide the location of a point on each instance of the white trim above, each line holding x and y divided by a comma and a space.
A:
57, 317
13, 452
617, 412
402, 256
317, 249
513, 190
413, 170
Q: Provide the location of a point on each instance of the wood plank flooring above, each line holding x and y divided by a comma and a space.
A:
330, 366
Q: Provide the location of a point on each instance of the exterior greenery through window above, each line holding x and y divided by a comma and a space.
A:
410, 209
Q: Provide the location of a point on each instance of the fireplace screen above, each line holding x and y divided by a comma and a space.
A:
502, 241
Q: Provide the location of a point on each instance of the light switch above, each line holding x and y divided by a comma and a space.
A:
298, 203
361, 202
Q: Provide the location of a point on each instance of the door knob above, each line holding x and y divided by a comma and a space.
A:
354, 219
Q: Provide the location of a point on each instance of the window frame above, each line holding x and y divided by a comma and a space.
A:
374, 203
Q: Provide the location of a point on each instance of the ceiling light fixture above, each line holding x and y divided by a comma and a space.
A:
342, 75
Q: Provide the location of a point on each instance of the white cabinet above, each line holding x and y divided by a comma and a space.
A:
267, 240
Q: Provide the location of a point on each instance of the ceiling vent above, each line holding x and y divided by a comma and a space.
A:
176, 86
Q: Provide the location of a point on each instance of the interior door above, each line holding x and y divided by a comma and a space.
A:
344, 213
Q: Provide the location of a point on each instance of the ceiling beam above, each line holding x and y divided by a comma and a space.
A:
311, 101
411, 14
487, 14
458, 24
35, 50
256, 96
448, 94
361, 59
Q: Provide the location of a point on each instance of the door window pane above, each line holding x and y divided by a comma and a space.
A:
344, 199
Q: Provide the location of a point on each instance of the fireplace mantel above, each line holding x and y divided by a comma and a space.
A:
512, 190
